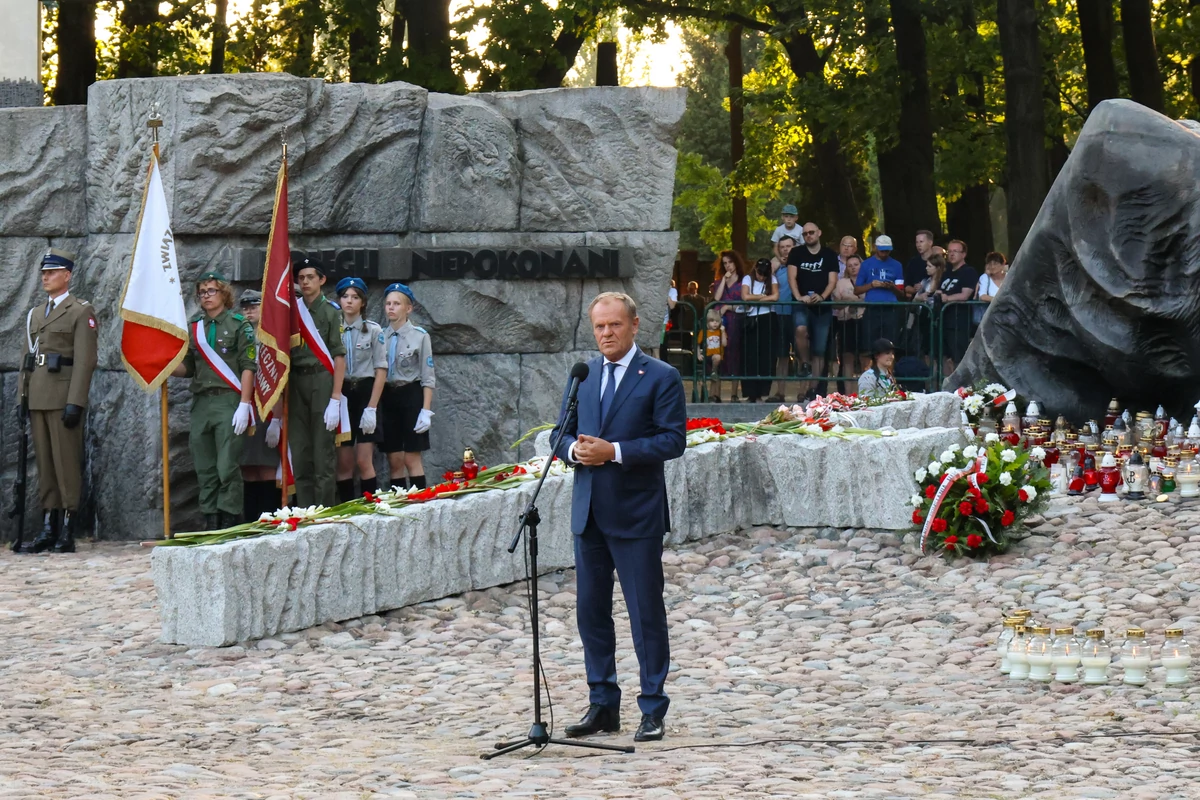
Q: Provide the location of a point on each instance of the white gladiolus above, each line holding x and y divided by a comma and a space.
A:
1005, 478
1008, 456
837, 429
920, 474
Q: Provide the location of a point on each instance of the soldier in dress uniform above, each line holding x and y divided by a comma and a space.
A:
221, 361
315, 389
55, 376
408, 394
366, 372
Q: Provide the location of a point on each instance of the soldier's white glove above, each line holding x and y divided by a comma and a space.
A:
367, 421
273, 433
333, 414
241, 418
424, 420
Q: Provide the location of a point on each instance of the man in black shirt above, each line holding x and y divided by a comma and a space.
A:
812, 275
958, 286
914, 268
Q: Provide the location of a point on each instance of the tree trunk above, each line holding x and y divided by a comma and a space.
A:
428, 51
834, 172
607, 73
139, 42
739, 233
301, 20
1194, 78
557, 62
969, 218
216, 63
76, 43
1024, 116
906, 169
1145, 78
1096, 31
362, 40
394, 63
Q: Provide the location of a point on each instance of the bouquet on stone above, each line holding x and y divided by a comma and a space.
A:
984, 400
971, 499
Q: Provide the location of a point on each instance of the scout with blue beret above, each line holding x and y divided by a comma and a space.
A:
408, 395
315, 390
56, 374
221, 361
366, 373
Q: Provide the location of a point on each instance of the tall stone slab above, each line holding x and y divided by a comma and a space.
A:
43, 161
597, 159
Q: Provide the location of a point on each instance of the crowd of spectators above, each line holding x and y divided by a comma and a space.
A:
814, 315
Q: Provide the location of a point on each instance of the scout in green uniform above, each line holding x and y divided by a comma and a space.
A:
315, 392
220, 357
366, 372
55, 376
408, 394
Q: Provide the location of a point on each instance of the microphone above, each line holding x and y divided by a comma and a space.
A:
579, 374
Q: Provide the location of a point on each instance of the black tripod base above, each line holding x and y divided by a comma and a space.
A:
539, 737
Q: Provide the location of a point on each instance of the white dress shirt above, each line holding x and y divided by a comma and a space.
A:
618, 374
57, 302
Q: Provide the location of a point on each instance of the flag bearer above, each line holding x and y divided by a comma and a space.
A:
408, 395
55, 376
315, 417
221, 363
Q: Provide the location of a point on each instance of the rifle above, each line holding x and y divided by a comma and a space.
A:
18, 509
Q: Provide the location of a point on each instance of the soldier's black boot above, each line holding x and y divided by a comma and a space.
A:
212, 522
345, 490
51, 527
369, 485
229, 520
65, 543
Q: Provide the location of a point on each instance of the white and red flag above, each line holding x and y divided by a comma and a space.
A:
154, 336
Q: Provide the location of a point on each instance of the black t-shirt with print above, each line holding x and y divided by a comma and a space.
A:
953, 282
812, 269
914, 272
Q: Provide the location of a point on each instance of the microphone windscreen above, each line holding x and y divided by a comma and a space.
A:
580, 371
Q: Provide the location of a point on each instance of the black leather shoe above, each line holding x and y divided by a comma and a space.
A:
48, 535
229, 520
212, 522
598, 719
650, 730
66, 537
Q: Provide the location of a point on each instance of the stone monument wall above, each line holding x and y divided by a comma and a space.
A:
372, 169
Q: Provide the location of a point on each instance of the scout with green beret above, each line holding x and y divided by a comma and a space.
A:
221, 361
315, 389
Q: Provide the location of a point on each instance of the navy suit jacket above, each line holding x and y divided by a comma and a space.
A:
648, 418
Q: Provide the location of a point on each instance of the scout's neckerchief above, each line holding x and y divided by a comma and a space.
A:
217, 364
312, 339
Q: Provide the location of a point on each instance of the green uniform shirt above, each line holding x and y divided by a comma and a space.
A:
328, 321
232, 338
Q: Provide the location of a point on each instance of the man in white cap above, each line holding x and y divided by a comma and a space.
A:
880, 280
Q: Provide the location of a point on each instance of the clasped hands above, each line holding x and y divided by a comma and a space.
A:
592, 451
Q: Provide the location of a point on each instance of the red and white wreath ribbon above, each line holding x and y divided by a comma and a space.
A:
971, 473
999, 400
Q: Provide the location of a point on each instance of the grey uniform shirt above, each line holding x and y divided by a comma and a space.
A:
409, 355
365, 351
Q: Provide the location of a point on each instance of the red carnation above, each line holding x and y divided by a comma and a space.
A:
981, 506
917, 518
965, 508
974, 492
982, 478
930, 491
1023, 496
447, 476
949, 540
1007, 518
974, 540
939, 525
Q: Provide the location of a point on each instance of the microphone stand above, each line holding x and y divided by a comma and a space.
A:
538, 735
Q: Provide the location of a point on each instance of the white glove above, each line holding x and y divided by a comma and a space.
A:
424, 420
273, 433
367, 421
241, 418
333, 414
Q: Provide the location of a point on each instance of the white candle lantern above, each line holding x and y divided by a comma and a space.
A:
1064, 654
1006, 636
1176, 657
1095, 656
1187, 477
1018, 662
1135, 657
1037, 653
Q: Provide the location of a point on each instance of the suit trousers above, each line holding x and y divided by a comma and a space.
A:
313, 450
59, 453
217, 452
638, 564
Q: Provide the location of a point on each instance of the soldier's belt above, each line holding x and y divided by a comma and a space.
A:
54, 360
311, 369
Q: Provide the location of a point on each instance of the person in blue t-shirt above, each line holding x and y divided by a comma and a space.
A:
880, 280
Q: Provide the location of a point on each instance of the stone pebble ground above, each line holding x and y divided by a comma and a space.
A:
809, 635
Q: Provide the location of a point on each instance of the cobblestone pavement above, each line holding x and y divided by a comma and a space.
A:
799, 634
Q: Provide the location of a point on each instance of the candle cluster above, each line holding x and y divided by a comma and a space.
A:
1029, 651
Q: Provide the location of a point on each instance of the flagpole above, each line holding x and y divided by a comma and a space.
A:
284, 455
154, 123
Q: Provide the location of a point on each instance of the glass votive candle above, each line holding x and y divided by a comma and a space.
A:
1095, 655
1006, 636
1018, 661
1176, 657
1064, 654
1135, 657
1037, 653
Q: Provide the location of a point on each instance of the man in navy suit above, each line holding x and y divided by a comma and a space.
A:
631, 419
